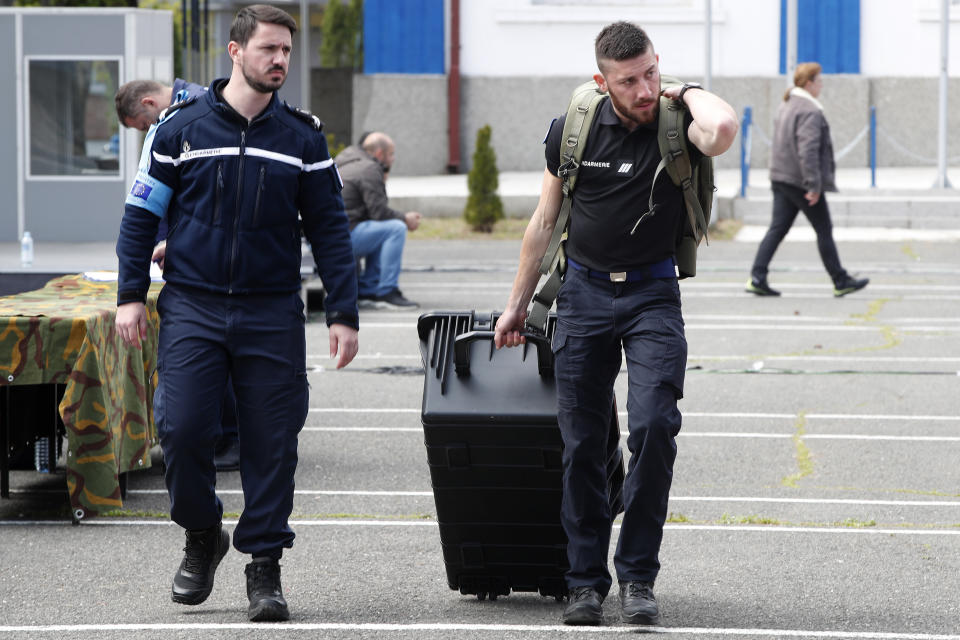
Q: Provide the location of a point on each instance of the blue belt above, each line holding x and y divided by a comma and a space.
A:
663, 269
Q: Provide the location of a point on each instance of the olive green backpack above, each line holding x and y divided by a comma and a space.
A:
695, 179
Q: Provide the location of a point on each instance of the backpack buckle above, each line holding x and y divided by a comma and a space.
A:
567, 168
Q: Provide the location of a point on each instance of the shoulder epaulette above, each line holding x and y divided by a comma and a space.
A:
176, 106
304, 115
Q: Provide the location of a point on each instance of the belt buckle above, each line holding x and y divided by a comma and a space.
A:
618, 276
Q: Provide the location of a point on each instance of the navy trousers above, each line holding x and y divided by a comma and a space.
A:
788, 201
597, 320
258, 343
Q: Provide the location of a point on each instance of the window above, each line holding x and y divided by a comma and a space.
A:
72, 126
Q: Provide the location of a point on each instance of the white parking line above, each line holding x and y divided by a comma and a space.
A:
489, 628
733, 356
750, 435
306, 492
726, 528
700, 414
424, 494
788, 325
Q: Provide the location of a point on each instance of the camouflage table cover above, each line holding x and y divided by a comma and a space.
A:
65, 334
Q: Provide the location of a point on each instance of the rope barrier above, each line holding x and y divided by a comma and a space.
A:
847, 149
749, 132
899, 147
838, 155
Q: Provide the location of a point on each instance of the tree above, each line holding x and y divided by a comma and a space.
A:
484, 206
341, 42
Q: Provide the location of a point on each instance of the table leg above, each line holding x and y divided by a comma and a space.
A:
53, 432
5, 442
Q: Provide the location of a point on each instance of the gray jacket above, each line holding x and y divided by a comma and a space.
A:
364, 192
802, 150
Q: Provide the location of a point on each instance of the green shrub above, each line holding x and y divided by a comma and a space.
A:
484, 206
341, 42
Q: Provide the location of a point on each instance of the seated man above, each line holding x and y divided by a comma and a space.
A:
377, 231
139, 103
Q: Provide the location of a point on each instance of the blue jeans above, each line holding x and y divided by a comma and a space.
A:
596, 320
258, 343
380, 243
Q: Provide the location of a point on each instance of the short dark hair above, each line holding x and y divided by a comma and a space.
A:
621, 41
130, 94
246, 20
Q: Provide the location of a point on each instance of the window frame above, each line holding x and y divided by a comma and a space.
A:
29, 175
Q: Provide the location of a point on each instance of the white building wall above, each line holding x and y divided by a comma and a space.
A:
529, 38
544, 38
902, 38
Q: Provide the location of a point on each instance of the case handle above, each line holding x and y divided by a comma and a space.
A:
461, 351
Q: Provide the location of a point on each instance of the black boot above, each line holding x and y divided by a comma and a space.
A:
264, 591
205, 549
638, 604
585, 607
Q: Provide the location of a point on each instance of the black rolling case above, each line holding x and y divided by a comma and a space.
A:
494, 450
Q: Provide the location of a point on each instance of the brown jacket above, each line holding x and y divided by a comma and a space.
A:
364, 191
802, 150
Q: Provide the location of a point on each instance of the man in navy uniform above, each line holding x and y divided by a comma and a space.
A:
237, 173
619, 293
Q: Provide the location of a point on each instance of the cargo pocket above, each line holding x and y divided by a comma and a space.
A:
673, 366
559, 339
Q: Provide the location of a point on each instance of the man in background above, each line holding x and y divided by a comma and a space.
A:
378, 233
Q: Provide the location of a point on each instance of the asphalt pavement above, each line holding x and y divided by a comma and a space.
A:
816, 489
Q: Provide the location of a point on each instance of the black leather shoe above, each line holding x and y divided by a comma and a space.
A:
849, 285
264, 591
585, 607
227, 456
761, 288
205, 549
638, 604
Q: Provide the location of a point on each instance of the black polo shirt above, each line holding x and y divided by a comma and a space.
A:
613, 191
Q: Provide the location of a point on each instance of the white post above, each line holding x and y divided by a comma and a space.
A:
304, 55
708, 43
942, 181
791, 40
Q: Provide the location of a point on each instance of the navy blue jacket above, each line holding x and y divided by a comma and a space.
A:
231, 192
181, 91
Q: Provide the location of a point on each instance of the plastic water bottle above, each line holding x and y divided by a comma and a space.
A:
26, 249
41, 455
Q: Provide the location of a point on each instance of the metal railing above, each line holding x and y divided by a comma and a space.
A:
748, 129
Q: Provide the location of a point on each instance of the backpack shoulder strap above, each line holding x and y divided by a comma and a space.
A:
675, 159
580, 114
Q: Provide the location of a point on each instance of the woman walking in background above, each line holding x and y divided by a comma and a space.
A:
802, 168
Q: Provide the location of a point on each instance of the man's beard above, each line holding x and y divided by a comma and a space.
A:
262, 86
645, 117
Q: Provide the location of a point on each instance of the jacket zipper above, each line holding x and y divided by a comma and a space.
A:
218, 203
256, 204
236, 214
